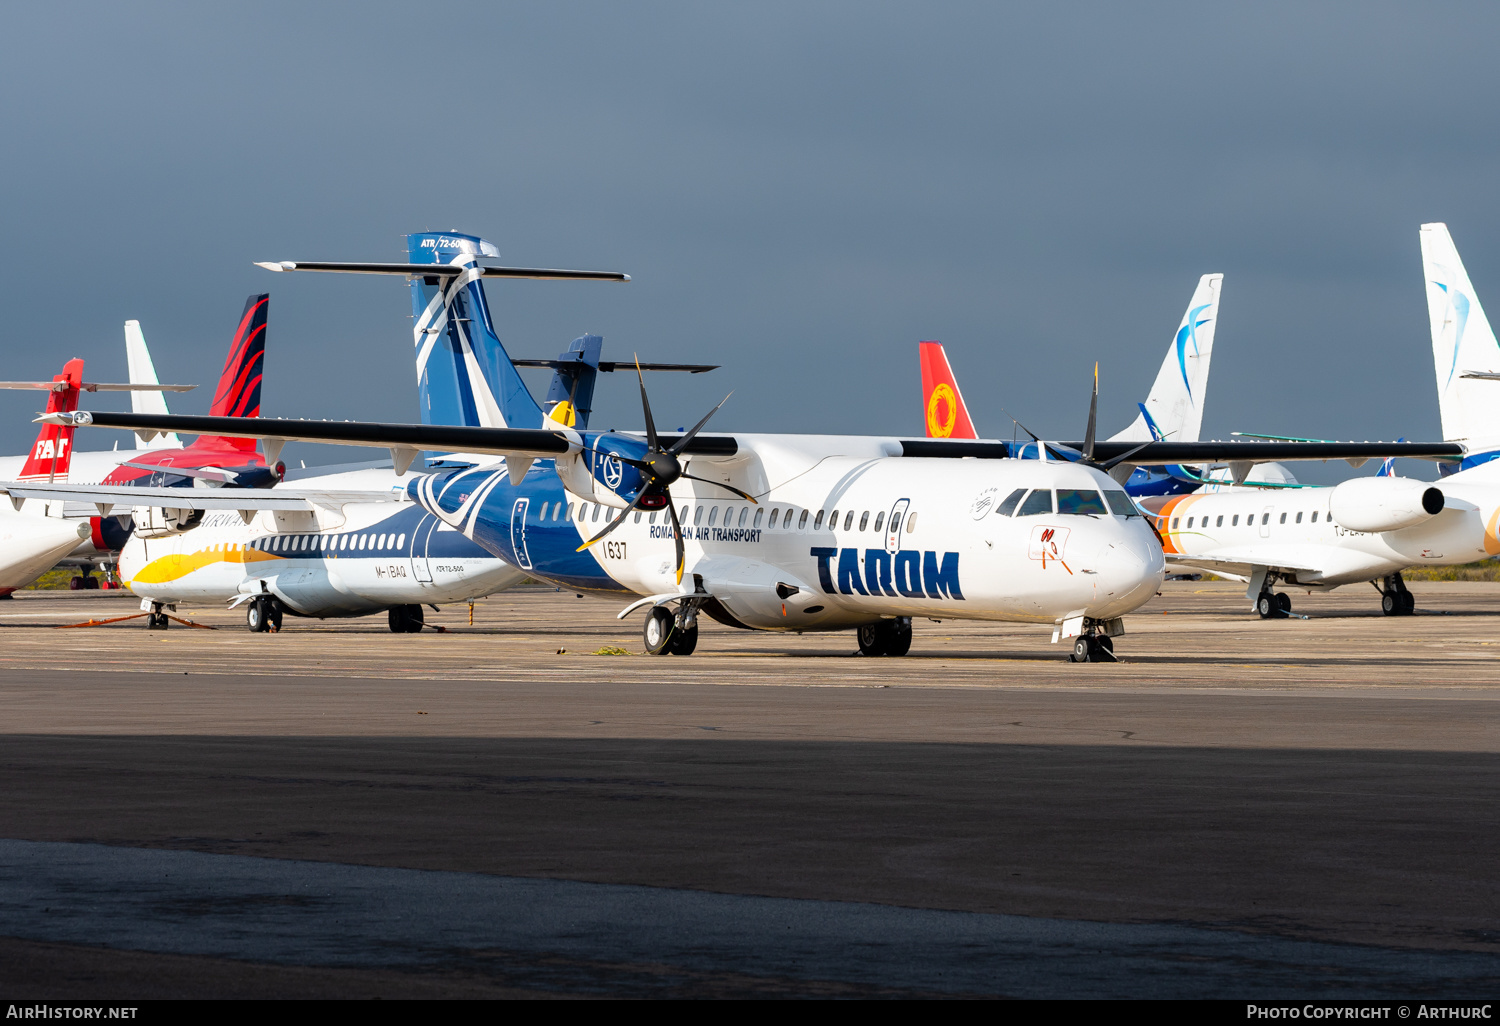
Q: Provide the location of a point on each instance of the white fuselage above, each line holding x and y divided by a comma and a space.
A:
953, 555
1293, 528
349, 560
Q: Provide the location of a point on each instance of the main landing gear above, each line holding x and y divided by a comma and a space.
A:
406, 619
1273, 605
669, 634
263, 614
886, 638
83, 582
1395, 600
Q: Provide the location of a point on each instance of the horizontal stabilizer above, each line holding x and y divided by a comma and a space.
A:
439, 270
195, 498
88, 386
610, 366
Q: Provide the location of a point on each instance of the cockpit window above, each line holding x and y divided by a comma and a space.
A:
1008, 505
1079, 500
1120, 504
1039, 501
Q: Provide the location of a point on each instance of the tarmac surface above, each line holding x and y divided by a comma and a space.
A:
1294, 808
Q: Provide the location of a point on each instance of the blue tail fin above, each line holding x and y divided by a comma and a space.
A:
573, 382
464, 375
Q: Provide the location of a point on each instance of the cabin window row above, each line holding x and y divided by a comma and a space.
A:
329, 543
1078, 501
1234, 519
712, 516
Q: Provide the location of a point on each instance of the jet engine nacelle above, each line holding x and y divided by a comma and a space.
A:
1384, 503
156, 522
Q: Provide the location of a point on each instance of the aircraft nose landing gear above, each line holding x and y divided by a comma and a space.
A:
1092, 648
1095, 644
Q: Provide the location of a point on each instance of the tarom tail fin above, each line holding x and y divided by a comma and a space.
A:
942, 403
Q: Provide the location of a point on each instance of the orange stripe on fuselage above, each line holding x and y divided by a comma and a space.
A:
1175, 507
177, 566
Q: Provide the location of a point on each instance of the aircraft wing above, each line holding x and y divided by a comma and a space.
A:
1244, 563
540, 443
106, 497
535, 443
528, 443
1170, 452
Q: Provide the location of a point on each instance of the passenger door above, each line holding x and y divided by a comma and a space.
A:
419, 537
893, 525
1265, 521
518, 532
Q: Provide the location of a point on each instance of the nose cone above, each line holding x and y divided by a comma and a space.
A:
1130, 571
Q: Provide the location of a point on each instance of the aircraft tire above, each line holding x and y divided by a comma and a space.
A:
1408, 603
683, 642
658, 629
273, 615
1390, 603
256, 620
157, 621
405, 619
873, 639
1102, 649
1082, 650
898, 642
1283, 603
91, 583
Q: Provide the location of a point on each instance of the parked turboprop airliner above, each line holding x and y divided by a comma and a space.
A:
770, 532
343, 544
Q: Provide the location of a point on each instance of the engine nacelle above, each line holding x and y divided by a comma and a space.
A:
1384, 503
156, 522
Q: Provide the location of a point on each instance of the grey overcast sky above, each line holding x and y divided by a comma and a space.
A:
801, 191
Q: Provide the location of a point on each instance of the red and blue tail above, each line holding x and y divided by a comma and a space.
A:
238, 394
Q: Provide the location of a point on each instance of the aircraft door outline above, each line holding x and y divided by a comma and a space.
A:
1265, 521
894, 523
518, 532
419, 538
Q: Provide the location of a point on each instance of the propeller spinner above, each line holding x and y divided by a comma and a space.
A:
661, 468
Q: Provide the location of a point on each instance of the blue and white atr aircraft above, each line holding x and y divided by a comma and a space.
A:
773, 532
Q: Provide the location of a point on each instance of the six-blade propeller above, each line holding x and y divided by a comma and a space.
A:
661, 468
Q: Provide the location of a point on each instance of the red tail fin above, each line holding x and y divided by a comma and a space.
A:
238, 394
53, 452
942, 402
